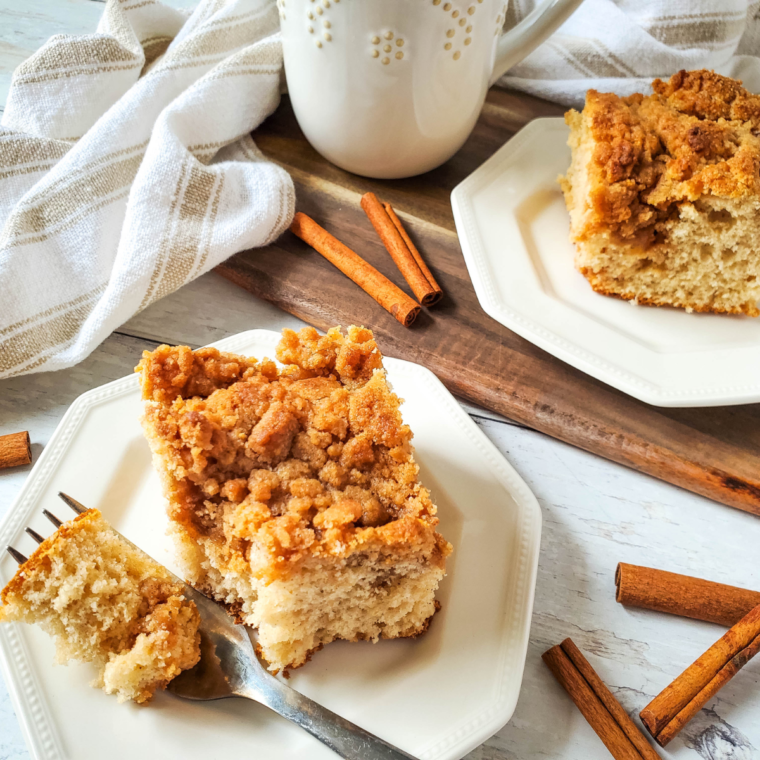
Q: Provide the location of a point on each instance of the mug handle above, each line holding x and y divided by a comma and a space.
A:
539, 24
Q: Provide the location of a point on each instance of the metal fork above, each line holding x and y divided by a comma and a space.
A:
229, 667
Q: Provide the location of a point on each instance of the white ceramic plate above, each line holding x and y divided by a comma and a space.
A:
436, 697
513, 228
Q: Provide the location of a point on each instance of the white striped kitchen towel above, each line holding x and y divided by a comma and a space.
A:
621, 45
127, 169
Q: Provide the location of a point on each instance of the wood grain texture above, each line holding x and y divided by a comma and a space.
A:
711, 452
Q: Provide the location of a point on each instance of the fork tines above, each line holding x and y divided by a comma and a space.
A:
53, 519
18, 556
73, 503
33, 533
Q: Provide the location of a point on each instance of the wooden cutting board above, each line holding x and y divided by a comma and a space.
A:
714, 452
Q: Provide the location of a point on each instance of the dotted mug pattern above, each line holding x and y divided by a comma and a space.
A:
385, 45
462, 24
317, 22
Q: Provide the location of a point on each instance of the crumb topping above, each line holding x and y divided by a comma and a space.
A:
311, 459
696, 135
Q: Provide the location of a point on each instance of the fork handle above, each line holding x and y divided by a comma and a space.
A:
343, 737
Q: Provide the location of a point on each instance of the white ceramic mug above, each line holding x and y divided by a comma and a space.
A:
392, 88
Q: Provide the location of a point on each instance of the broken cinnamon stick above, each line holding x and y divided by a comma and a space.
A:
437, 291
390, 297
683, 595
15, 449
678, 703
597, 704
397, 247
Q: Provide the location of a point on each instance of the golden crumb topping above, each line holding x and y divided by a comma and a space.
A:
182, 372
696, 135
310, 459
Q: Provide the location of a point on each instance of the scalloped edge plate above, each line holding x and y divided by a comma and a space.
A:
514, 232
460, 681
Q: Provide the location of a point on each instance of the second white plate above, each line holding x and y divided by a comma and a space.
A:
438, 697
514, 230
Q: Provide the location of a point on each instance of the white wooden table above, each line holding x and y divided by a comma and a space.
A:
596, 513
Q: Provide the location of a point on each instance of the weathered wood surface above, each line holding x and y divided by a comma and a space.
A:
713, 452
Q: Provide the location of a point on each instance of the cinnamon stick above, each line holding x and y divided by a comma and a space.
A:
396, 246
679, 702
437, 291
683, 595
15, 449
597, 704
390, 297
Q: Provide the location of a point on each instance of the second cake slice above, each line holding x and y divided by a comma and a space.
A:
293, 494
664, 194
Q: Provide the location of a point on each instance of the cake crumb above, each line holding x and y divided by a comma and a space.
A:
104, 601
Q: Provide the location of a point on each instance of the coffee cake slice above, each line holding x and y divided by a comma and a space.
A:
293, 493
106, 602
664, 194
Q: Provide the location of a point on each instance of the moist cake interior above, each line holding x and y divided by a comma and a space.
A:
106, 602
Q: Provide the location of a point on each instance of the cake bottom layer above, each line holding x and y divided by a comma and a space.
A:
370, 594
709, 260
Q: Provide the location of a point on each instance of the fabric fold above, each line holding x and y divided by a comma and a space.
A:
622, 45
163, 183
